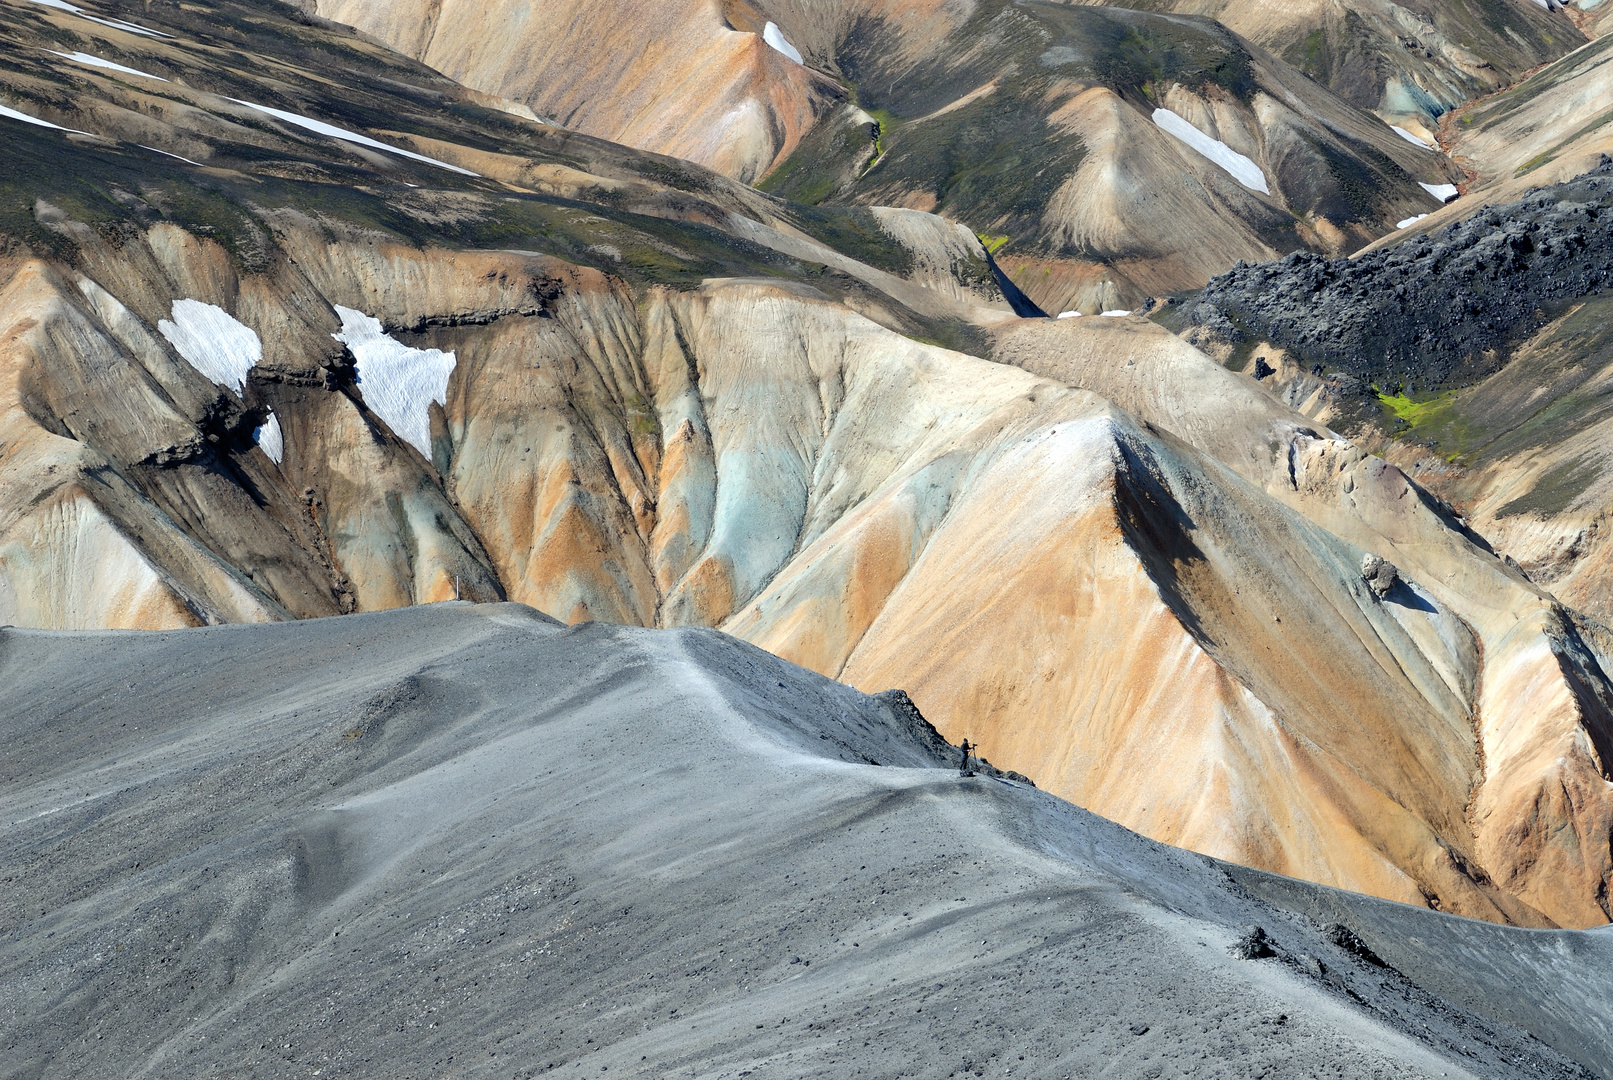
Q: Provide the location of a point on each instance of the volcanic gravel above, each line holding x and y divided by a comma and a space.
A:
1435, 311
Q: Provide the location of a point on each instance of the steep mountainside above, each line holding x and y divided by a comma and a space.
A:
468, 839
691, 78
1483, 346
1410, 62
1547, 129
1120, 154
1038, 124
424, 349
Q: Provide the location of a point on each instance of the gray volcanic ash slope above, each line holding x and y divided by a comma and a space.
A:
1432, 311
466, 840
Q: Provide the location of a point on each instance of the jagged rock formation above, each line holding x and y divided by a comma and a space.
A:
672, 400
1379, 574
484, 839
1436, 311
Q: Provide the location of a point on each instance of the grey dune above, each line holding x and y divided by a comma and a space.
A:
467, 841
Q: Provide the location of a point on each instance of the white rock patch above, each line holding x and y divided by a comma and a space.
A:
1241, 169
212, 342
398, 383
775, 37
1409, 221
334, 132
1408, 136
270, 439
95, 61
1442, 192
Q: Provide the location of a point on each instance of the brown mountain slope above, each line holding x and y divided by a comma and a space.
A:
1035, 123
675, 77
1408, 62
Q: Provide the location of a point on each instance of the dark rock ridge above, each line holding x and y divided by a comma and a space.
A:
1435, 311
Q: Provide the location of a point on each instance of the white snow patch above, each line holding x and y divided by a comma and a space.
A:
775, 37
117, 24
25, 118
1243, 170
1408, 136
165, 153
1409, 221
212, 342
270, 439
334, 132
398, 383
96, 61
1069, 314
1442, 192
1115, 314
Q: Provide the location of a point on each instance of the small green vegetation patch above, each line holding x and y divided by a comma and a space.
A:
831, 157
1417, 413
854, 231
1556, 489
994, 163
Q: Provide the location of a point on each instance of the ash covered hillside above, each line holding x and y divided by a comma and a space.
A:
1433, 312
466, 839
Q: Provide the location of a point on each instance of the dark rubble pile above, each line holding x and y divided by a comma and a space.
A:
1436, 310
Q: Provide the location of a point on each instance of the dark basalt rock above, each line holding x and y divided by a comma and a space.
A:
1436, 310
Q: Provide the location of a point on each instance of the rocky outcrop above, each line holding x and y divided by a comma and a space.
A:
1434, 312
1380, 576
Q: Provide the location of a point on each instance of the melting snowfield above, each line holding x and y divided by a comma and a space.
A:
1242, 169
95, 61
332, 131
775, 37
398, 383
116, 24
213, 342
13, 114
468, 840
1443, 192
270, 439
1409, 137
